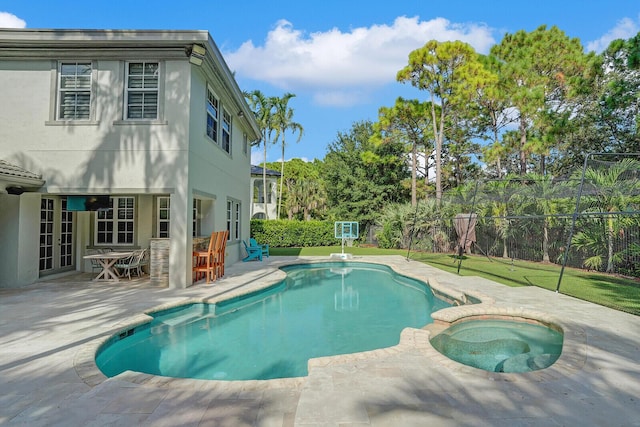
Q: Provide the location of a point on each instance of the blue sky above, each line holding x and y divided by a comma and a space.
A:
340, 58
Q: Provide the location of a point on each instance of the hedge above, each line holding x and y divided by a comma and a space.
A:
293, 234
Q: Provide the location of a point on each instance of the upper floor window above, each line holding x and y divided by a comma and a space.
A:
258, 192
226, 131
212, 116
74, 91
142, 90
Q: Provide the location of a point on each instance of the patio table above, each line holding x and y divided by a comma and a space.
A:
107, 260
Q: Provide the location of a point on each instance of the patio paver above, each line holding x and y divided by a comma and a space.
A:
49, 330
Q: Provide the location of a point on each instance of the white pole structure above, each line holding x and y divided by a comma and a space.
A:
345, 230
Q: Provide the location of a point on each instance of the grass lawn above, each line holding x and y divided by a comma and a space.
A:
620, 293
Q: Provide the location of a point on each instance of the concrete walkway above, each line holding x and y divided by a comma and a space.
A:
49, 333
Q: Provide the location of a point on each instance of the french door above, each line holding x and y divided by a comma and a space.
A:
57, 230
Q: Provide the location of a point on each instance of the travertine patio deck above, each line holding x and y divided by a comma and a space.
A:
48, 332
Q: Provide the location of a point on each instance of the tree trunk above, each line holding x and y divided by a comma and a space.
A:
498, 161
545, 243
264, 181
610, 245
505, 251
438, 134
523, 143
414, 174
281, 179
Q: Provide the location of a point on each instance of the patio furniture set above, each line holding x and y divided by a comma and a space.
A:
207, 263
210, 263
117, 264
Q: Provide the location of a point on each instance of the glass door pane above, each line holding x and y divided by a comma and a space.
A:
66, 236
46, 233
56, 236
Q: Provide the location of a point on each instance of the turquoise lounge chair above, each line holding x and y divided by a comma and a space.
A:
253, 252
264, 248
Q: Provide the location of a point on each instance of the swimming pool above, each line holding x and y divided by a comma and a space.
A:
320, 309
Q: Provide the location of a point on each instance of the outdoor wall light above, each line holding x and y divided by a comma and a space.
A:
241, 114
16, 191
196, 54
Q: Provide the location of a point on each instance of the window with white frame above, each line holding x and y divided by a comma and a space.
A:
142, 91
236, 220
233, 219
212, 115
225, 143
74, 91
164, 217
229, 216
116, 225
197, 217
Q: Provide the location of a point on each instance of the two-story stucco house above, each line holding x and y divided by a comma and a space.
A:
150, 125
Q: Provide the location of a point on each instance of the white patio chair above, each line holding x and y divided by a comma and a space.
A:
125, 265
94, 262
134, 263
143, 260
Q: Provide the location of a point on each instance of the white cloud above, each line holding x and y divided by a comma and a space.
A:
8, 20
624, 29
340, 98
257, 156
342, 67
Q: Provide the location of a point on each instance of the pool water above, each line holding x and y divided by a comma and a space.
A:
500, 345
318, 310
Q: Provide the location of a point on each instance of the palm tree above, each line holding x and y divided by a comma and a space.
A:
262, 108
283, 121
305, 197
498, 202
402, 226
612, 190
545, 197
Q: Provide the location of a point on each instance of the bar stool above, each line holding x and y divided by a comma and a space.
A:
203, 261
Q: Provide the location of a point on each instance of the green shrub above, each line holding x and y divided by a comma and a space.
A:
293, 234
388, 237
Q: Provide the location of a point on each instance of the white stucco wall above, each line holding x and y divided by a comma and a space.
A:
107, 155
28, 255
9, 218
230, 172
19, 251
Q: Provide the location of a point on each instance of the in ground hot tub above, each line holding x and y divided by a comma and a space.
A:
500, 345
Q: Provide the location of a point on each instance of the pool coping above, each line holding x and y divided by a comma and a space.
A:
572, 359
